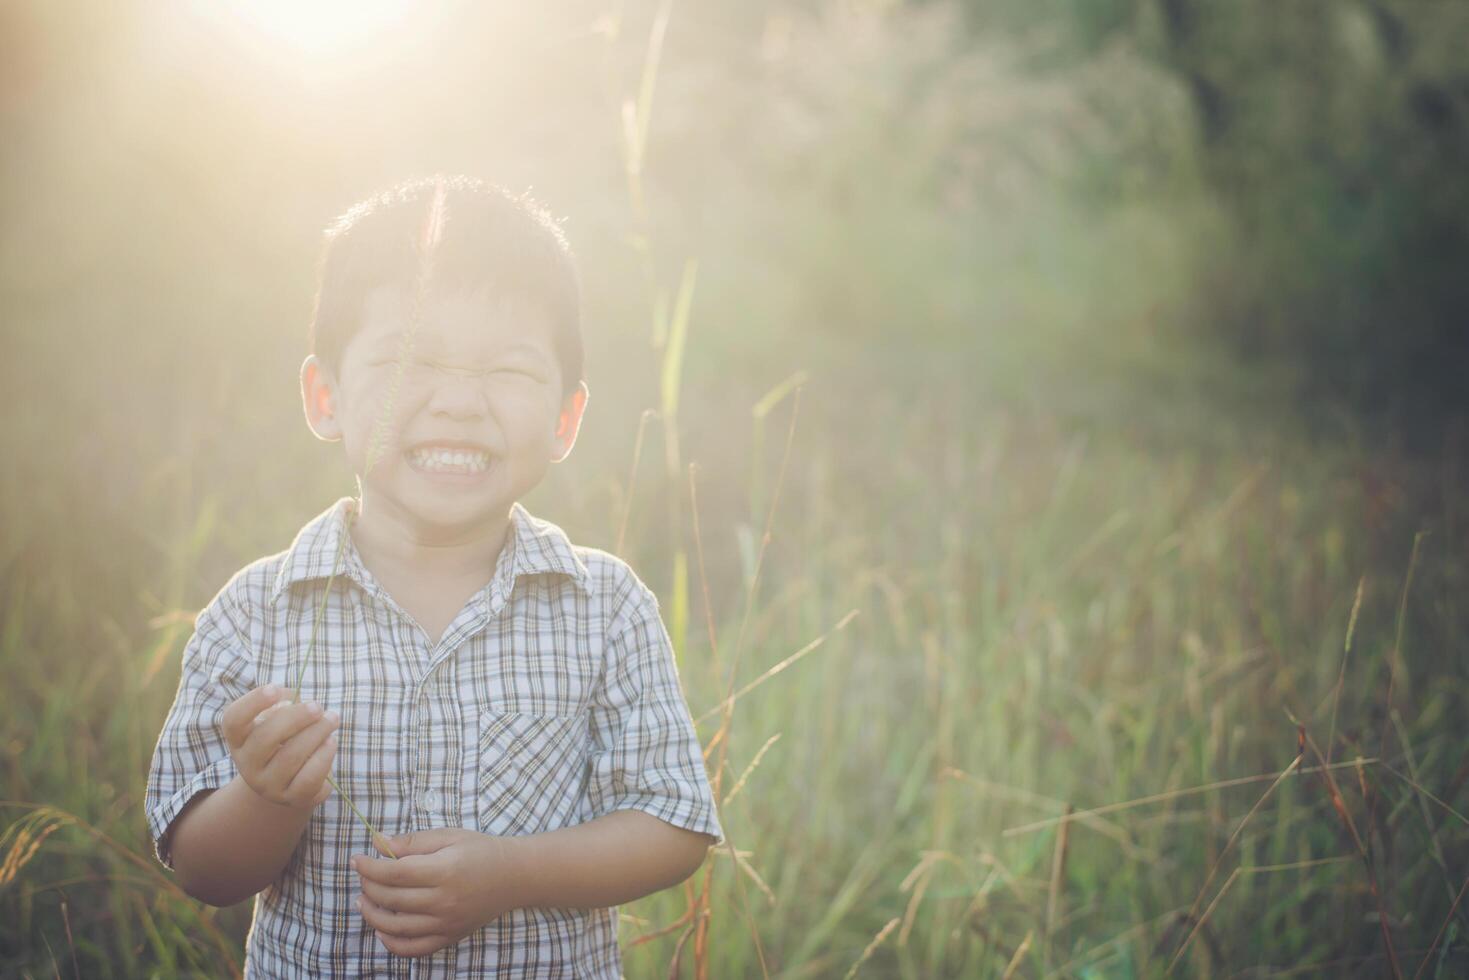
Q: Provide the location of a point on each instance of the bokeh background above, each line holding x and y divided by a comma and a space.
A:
1108, 358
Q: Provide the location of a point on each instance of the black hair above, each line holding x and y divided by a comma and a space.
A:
484, 236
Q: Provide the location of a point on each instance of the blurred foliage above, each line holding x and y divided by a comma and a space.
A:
1334, 135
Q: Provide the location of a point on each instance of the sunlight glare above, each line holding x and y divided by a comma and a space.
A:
320, 27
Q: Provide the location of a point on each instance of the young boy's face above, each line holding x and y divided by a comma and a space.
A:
451, 433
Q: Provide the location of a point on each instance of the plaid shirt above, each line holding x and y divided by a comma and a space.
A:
551, 699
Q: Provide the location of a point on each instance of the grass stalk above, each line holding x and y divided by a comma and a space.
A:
1228, 846
430, 235
1339, 804
1341, 676
632, 477
1018, 957
1435, 848
1228, 882
1418, 787
1053, 893
722, 737
1394, 665
871, 947
1175, 794
311, 649
729, 702
1438, 937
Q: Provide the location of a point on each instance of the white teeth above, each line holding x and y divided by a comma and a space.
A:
450, 460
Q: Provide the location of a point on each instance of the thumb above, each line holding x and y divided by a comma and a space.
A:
418, 842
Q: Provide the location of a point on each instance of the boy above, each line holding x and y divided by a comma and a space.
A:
501, 705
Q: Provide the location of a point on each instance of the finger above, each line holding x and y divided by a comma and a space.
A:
266, 737
322, 796
236, 717
420, 946
269, 713
294, 751
396, 923
311, 774
419, 900
414, 871
279, 725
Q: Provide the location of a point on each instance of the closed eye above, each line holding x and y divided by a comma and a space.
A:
525, 372
504, 369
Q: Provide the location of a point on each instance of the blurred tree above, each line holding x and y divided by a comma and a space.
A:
1335, 135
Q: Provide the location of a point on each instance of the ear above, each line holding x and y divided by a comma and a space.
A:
569, 424
319, 398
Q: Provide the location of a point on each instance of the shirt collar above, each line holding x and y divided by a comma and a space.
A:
543, 548
533, 547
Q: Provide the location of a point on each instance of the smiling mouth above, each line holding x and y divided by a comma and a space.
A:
430, 459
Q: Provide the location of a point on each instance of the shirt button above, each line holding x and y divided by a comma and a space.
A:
429, 801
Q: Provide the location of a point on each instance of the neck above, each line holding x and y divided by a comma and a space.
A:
389, 539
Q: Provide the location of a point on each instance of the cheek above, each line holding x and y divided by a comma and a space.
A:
377, 405
366, 431
526, 414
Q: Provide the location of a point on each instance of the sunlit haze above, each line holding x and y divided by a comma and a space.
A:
315, 27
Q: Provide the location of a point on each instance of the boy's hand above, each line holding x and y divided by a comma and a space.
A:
284, 750
445, 884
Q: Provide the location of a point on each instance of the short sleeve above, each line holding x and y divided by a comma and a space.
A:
646, 755
192, 754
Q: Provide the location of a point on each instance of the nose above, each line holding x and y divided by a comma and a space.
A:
457, 396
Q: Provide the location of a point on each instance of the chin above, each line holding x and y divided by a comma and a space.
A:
446, 513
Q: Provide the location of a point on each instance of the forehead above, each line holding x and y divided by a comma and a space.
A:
464, 321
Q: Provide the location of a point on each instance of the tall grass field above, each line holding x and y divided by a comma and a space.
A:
1021, 701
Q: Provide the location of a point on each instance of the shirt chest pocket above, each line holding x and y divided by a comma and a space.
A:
532, 771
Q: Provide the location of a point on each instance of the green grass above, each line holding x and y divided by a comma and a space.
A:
1046, 618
